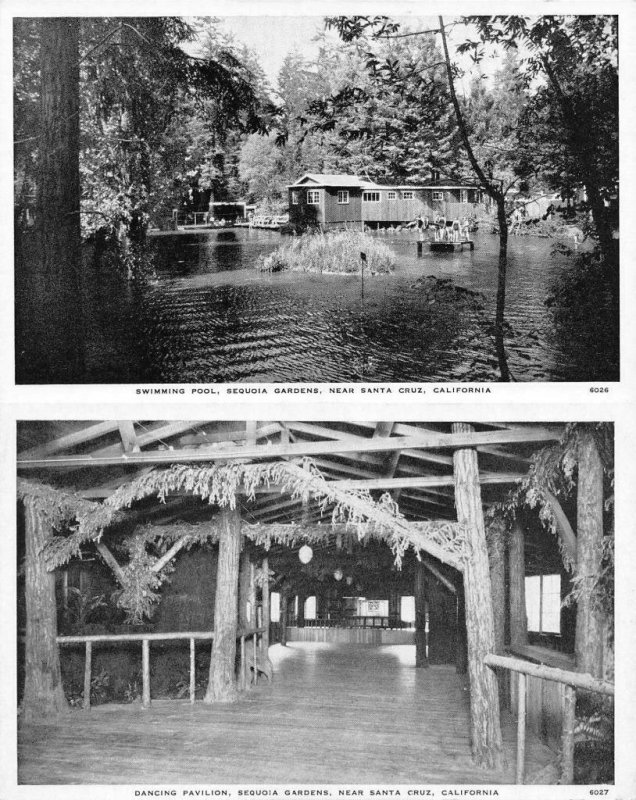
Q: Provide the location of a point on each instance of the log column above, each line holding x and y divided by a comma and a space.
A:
284, 603
517, 569
43, 692
495, 540
419, 591
266, 605
589, 549
484, 695
222, 683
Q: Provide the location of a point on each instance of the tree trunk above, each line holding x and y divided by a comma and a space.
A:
484, 696
43, 692
517, 562
222, 683
589, 544
498, 196
419, 590
501, 289
56, 298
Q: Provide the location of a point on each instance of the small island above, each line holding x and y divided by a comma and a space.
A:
346, 252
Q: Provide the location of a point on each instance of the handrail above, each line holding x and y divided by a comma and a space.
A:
572, 681
145, 638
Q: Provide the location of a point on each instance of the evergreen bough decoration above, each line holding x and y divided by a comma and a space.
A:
220, 484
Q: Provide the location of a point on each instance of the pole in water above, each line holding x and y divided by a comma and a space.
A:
363, 259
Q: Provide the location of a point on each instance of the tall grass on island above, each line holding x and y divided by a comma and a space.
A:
342, 253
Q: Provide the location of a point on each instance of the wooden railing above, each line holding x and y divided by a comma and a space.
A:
572, 681
145, 638
356, 622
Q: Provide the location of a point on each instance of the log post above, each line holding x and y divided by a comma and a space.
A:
266, 606
222, 681
193, 669
517, 570
495, 540
484, 696
43, 692
284, 603
88, 666
589, 549
461, 655
567, 742
145, 673
244, 587
419, 590
521, 728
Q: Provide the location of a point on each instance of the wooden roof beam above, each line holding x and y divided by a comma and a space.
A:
70, 440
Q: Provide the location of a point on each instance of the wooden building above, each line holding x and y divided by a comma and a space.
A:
404, 600
336, 201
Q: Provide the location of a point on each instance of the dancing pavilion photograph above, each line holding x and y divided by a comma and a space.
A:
315, 603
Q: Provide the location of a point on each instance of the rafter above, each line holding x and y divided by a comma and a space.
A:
297, 449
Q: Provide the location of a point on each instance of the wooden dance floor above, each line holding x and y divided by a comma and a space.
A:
334, 714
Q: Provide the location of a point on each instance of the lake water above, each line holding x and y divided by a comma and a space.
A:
209, 316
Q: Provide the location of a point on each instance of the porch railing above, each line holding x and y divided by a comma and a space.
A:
356, 622
572, 681
255, 634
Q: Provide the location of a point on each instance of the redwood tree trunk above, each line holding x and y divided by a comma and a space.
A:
484, 696
58, 353
222, 683
517, 567
43, 692
589, 543
419, 590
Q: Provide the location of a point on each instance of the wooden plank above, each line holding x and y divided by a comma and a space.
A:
128, 436
425, 480
361, 707
353, 444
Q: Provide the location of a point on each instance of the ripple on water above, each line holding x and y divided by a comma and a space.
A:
210, 317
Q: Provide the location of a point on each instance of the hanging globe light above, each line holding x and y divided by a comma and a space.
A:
349, 580
338, 574
305, 554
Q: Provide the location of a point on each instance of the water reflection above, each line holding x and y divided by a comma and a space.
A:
210, 317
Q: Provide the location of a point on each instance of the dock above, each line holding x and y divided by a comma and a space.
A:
451, 247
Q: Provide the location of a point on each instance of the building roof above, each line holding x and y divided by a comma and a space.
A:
321, 180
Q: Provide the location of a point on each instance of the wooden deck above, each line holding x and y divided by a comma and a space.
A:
334, 714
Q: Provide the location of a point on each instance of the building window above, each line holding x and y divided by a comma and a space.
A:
438, 196
463, 195
371, 197
310, 608
543, 603
391, 195
343, 196
408, 195
313, 198
407, 609
294, 198
274, 607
